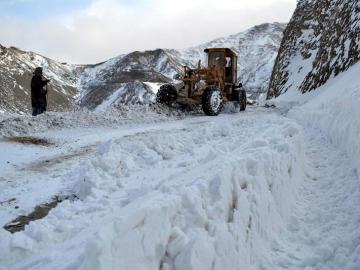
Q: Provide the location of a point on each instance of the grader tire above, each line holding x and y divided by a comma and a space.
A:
212, 101
242, 100
166, 94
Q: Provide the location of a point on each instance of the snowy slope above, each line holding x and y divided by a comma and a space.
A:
312, 54
321, 40
124, 79
323, 231
16, 68
332, 109
316, 82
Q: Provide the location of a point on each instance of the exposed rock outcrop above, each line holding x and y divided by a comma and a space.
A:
321, 41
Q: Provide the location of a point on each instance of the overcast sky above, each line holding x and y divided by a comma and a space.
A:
90, 31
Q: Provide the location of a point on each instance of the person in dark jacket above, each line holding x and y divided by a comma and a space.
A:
38, 93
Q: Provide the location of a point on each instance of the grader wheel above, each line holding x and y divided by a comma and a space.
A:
166, 94
212, 101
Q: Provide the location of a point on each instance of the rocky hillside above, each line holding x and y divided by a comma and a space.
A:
321, 41
134, 78
127, 78
16, 68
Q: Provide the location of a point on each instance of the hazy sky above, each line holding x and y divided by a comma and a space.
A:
89, 31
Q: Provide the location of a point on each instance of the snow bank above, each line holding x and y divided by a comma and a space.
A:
206, 197
15, 124
333, 109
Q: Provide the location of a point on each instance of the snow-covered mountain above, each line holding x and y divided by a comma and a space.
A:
257, 49
16, 68
321, 41
133, 78
127, 78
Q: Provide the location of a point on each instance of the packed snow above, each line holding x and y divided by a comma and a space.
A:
323, 229
19, 125
174, 195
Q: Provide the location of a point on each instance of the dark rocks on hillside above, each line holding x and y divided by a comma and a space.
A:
321, 41
125, 75
135, 92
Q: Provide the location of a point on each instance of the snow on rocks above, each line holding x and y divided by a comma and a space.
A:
332, 109
204, 195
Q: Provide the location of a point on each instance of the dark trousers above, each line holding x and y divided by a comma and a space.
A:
37, 110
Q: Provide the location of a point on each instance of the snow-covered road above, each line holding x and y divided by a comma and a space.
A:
237, 191
167, 195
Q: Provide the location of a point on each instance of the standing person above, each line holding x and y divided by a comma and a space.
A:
240, 96
38, 93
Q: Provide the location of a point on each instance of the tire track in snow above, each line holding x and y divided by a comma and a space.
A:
323, 232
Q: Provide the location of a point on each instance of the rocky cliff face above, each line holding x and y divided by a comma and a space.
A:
16, 69
134, 78
321, 41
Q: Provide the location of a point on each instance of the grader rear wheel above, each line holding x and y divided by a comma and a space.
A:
242, 100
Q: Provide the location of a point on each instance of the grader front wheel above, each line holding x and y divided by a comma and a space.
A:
212, 101
166, 94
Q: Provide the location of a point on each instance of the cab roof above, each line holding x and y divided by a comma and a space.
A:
227, 51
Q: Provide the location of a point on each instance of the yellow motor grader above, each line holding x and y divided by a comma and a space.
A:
210, 86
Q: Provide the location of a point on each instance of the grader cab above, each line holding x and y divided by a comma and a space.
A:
210, 86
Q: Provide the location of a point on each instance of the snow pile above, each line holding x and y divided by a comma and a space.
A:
333, 109
14, 125
323, 230
197, 197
